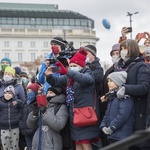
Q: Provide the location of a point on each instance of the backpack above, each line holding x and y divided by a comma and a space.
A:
65, 132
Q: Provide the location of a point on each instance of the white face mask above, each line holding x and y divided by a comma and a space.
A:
7, 78
87, 60
115, 59
123, 55
75, 68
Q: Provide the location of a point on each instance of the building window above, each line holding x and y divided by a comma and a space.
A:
45, 44
32, 56
19, 44
6, 55
19, 57
32, 44
6, 44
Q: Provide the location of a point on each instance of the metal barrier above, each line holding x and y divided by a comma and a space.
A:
136, 138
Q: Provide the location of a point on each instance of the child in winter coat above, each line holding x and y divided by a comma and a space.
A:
52, 121
11, 109
119, 117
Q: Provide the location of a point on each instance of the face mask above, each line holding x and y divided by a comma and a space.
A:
30, 97
55, 49
49, 97
7, 78
4, 67
115, 59
87, 60
75, 68
24, 80
124, 54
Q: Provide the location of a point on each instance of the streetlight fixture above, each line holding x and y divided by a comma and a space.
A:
130, 15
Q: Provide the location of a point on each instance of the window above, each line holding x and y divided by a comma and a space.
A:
32, 56
6, 55
32, 44
19, 44
19, 57
45, 44
6, 44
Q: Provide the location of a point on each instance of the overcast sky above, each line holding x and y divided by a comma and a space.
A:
113, 10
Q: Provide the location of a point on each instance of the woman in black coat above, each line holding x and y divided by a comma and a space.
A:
138, 81
80, 93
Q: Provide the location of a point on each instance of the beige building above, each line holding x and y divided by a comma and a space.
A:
27, 29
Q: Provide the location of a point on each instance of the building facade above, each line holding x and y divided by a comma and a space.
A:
27, 29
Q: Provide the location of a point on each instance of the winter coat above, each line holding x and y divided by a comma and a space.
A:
119, 116
22, 124
51, 125
10, 114
41, 76
84, 89
137, 86
19, 91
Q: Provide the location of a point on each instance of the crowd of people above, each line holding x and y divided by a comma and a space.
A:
34, 115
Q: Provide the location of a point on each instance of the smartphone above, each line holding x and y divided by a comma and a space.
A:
41, 100
55, 68
129, 29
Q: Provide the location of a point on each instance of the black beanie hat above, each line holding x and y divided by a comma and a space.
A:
56, 90
59, 41
91, 48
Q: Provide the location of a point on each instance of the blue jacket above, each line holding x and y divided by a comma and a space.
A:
41, 77
119, 116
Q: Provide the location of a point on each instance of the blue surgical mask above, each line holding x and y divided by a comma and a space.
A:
30, 97
24, 80
75, 68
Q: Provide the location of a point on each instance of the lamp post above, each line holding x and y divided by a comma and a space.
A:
130, 15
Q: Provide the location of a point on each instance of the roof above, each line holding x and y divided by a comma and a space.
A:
37, 11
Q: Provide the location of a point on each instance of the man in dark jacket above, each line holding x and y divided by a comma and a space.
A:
92, 61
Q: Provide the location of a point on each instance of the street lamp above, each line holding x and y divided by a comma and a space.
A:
130, 15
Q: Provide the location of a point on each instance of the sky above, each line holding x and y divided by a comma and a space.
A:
115, 11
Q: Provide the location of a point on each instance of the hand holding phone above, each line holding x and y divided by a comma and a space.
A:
55, 68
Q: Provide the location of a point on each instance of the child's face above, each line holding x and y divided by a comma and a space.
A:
111, 85
8, 95
50, 94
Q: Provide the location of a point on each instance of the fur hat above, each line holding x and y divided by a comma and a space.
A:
118, 77
6, 59
79, 57
115, 47
34, 87
10, 70
10, 89
91, 48
59, 41
56, 90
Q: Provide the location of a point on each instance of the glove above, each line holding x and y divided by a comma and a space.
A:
104, 129
109, 130
43, 109
35, 109
121, 92
62, 69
